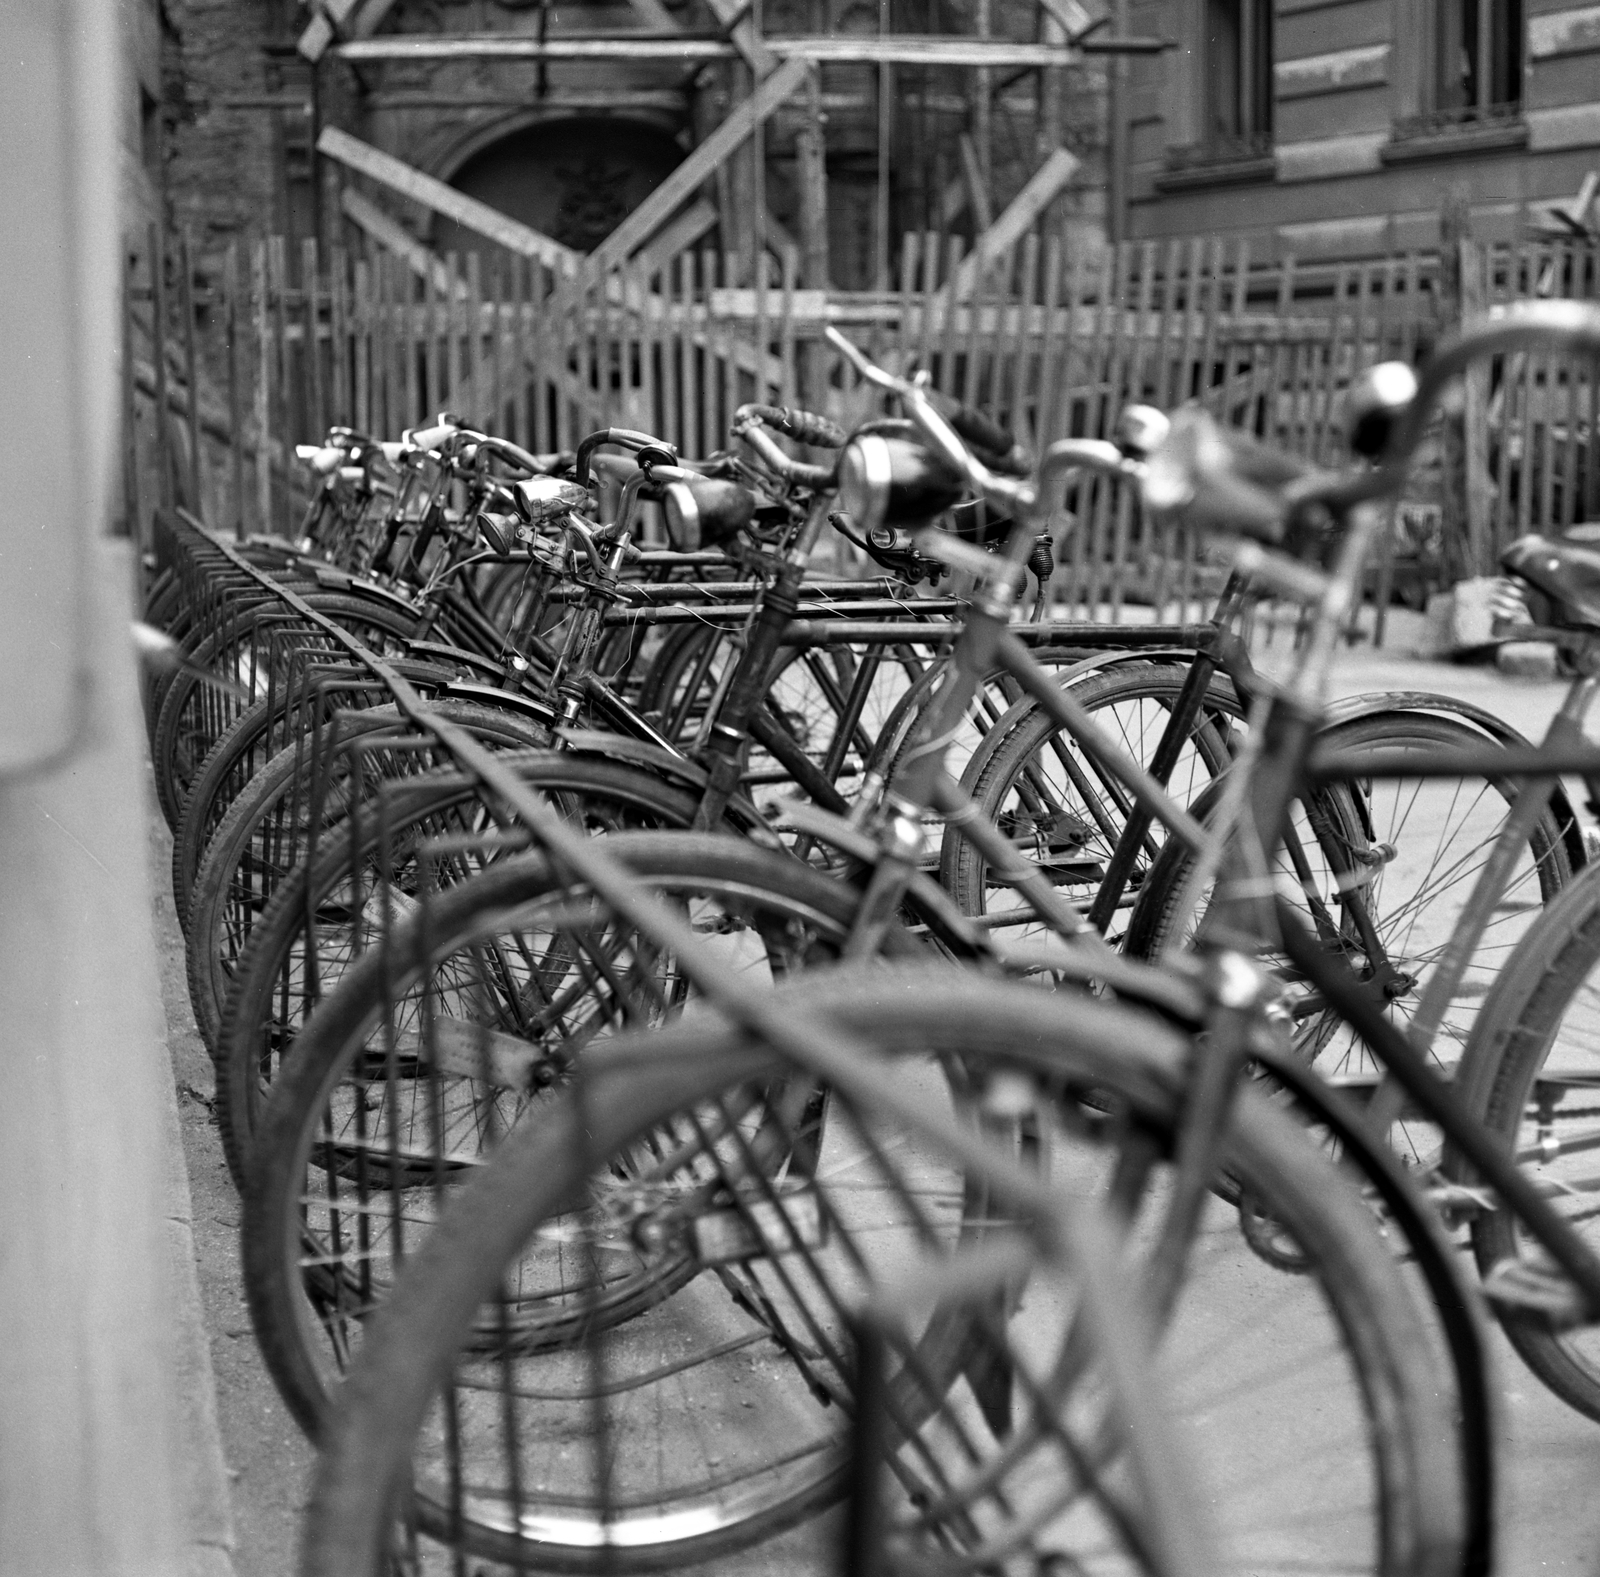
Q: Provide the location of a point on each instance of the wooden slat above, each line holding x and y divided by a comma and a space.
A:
314, 41
1018, 217
903, 49
687, 178
673, 238
390, 234
467, 211
233, 327
744, 34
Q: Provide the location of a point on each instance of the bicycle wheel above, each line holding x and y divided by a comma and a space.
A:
1384, 866
807, 693
516, 951
1055, 802
323, 915
194, 714
712, 1413
1529, 1074
268, 830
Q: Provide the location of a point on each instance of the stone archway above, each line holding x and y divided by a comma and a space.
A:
573, 178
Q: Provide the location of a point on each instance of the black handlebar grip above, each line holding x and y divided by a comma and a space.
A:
979, 431
809, 428
805, 426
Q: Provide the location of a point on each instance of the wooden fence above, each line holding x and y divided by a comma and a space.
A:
281, 345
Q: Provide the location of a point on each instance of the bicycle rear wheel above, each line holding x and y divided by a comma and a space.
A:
1383, 868
708, 1414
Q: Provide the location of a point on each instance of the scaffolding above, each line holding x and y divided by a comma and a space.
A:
852, 101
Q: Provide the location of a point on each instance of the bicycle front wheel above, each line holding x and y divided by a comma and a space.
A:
713, 1413
1530, 1074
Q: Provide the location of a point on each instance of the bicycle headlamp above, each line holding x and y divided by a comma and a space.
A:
1375, 406
548, 497
705, 512
888, 477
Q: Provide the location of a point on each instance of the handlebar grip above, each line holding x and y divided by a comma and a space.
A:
516, 455
1002, 449
1221, 479
323, 461
431, 437
804, 426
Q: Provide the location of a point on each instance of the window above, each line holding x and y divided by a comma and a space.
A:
1238, 78
1470, 76
1222, 97
1480, 59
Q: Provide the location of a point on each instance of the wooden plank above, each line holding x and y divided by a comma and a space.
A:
1049, 420
431, 193
745, 35
687, 178
278, 284
339, 335
895, 49
311, 347
438, 49
389, 233
1475, 420
673, 238
977, 189
334, 18
232, 325
361, 345
190, 335
1018, 217
911, 49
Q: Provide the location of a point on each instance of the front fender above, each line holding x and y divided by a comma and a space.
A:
741, 812
1379, 703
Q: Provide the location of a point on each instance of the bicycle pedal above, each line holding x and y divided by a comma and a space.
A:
1535, 1289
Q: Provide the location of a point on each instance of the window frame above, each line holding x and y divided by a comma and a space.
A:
1196, 156
1423, 127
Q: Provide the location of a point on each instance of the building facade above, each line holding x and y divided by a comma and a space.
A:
1343, 128
570, 147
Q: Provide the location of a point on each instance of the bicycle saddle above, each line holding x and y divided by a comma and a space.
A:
1567, 573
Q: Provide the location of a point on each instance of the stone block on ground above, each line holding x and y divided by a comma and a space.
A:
1528, 659
1472, 613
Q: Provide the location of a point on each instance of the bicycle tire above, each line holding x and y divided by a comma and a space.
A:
193, 714
1541, 1008
1396, 1424
1381, 824
1014, 791
252, 849
268, 994
792, 913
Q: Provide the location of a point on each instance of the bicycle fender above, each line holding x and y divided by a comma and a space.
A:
505, 700
1008, 720
640, 753
1357, 708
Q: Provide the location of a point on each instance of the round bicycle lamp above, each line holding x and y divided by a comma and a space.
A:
548, 497
705, 512
1375, 406
888, 477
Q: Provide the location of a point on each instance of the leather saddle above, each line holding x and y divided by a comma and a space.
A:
1567, 573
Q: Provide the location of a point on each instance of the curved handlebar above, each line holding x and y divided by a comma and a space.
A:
624, 436
748, 422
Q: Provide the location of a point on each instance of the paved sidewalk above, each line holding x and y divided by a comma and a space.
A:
262, 1461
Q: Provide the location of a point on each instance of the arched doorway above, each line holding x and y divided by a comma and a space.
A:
573, 179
